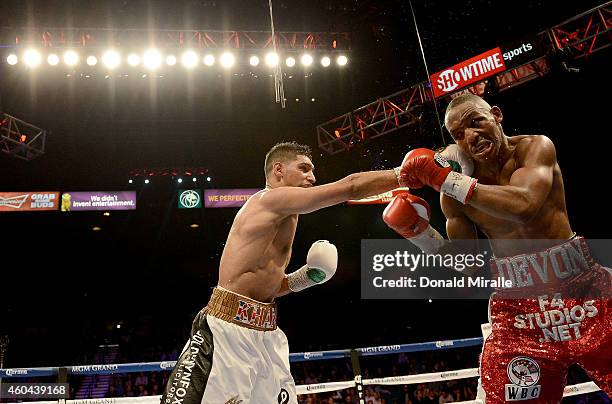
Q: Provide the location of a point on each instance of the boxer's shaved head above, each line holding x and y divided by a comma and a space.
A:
467, 97
285, 152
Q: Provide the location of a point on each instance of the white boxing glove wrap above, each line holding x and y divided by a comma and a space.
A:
321, 264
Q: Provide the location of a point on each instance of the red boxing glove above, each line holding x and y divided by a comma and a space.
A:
408, 215
421, 167
426, 167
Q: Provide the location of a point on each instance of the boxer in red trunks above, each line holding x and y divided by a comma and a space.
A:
558, 311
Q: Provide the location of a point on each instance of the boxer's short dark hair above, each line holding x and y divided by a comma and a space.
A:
283, 152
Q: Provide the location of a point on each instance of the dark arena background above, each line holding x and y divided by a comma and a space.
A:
97, 287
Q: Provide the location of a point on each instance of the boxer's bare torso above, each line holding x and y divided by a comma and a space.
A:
550, 221
258, 246
520, 192
258, 250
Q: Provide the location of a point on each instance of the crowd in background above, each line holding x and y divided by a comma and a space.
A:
317, 371
312, 372
389, 366
138, 384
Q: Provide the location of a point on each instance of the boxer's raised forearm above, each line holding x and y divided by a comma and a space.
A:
506, 202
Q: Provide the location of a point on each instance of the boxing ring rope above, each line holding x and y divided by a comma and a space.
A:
106, 369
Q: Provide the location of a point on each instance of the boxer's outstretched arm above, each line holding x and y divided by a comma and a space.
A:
529, 186
296, 200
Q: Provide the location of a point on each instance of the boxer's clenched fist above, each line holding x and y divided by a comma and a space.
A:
426, 167
407, 214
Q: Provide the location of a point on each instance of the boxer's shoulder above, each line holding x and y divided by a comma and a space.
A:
267, 205
528, 141
532, 146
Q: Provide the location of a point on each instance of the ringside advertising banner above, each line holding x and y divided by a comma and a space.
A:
189, 199
227, 198
88, 201
520, 52
487, 64
28, 201
468, 72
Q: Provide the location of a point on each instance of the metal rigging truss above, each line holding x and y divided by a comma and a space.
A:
21, 139
578, 37
97, 37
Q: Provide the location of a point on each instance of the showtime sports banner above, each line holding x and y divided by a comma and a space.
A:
508, 56
523, 51
467, 72
84, 201
227, 198
28, 201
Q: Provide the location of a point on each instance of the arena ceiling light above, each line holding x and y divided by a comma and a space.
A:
170, 60
189, 59
306, 59
133, 59
71, 58
227, 60
209, 60
92, 60
32, 57
53, 59
325, 61
253, 60
290, 62
342, 60
111, 59
12, 59
152, 59
272, 59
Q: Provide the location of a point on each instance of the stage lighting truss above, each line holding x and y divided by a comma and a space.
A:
576, 38
21, 139
154, 60
376, 119
30, 46
184, 173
